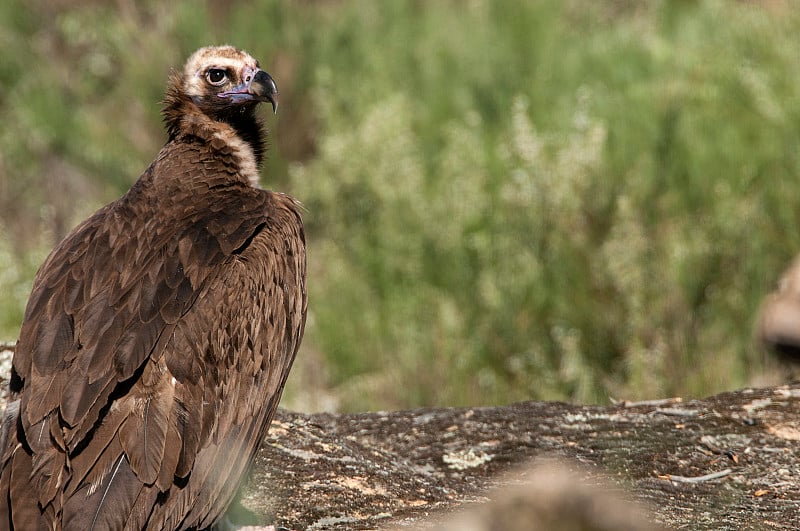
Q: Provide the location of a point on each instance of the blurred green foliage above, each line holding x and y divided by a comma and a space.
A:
505, 200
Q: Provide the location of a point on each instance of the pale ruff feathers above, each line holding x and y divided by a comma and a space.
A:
243, 152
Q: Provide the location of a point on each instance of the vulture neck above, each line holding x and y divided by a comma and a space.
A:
237, 127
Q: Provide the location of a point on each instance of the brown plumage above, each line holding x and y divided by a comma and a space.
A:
159, 334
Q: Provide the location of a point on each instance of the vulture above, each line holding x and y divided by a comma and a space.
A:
778, 324
159, 333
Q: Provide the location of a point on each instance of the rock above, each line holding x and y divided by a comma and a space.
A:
729, 462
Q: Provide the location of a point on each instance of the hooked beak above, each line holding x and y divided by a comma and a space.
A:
257, 86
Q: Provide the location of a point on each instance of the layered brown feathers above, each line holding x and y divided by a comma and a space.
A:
159, 334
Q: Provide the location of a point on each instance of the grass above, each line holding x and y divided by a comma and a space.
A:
506, 200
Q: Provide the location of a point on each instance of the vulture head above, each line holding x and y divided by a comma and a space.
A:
220, 84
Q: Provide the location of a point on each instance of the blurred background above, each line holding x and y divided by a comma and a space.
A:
553, 199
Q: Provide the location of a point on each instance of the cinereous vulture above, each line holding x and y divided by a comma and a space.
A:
159, 333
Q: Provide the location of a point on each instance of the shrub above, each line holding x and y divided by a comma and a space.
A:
505, 200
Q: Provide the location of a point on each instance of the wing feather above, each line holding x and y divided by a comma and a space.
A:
53, 339
109, 505
27, 516
93, 461
144, 436
76, 400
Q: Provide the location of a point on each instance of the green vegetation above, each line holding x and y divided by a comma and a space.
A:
506, 200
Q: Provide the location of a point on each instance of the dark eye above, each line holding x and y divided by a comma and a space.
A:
216, 76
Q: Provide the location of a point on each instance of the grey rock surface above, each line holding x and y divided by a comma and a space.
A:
729, 462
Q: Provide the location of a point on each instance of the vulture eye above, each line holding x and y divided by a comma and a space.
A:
216, 76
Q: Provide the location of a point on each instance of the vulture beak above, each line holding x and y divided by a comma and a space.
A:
257, 86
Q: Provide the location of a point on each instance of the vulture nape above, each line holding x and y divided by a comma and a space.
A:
159, 333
